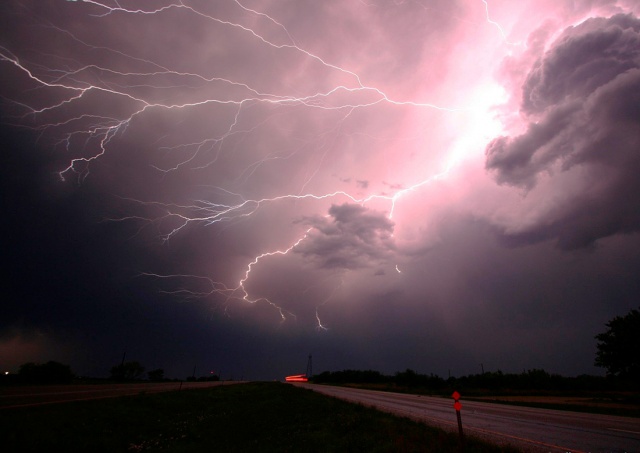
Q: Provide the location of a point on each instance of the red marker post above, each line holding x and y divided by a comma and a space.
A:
457, 406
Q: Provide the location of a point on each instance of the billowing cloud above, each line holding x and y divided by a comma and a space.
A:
582, 103
350, 237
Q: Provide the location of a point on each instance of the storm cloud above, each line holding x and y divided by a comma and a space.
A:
351, 237
582, 104
385, 185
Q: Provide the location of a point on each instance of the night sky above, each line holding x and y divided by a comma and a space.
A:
234, 185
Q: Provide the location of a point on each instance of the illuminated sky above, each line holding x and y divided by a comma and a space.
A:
385, 185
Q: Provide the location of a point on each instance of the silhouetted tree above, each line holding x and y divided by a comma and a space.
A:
350, 376
47, 373
211, 377
127, 371
408, 378
156, 375
619, 346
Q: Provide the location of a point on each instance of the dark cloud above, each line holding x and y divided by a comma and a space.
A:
351, 237
582, 99
519, 160
227, 203
583, 59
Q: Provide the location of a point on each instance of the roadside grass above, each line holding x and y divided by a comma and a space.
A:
256, 417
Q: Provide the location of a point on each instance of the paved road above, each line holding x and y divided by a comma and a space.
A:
530, 429
11, 397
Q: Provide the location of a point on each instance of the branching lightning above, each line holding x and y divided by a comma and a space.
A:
79, 128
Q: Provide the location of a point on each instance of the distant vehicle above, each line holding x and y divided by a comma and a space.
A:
297, 378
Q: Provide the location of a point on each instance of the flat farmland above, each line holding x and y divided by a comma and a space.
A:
249, 417
37, 395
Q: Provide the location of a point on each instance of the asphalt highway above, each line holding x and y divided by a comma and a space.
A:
11, 397
530, 429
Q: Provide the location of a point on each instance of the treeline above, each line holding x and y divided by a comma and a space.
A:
133, 371
57, 373
531, 380
538, 379
40, 373
408, 378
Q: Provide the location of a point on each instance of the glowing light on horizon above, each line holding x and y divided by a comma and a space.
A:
297, 378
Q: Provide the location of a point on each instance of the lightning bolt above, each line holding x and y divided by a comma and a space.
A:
498, 26
75, 83
241, 287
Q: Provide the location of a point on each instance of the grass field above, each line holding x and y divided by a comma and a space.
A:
255, 417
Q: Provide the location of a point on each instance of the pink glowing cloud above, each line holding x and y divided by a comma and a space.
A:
317, 165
